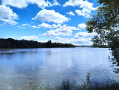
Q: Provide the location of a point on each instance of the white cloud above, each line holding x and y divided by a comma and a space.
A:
61, 31
25, 3
84, 12
35, 26
80, 3
82, 41
23, 26
42, 25
75, 41
50, 16
55, 3
45, 25
30, 37
84, 34
86, 7
56, 25
82, 26
71, 13
7, 15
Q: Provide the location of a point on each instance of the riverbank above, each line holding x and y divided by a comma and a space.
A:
65, 85
12, 43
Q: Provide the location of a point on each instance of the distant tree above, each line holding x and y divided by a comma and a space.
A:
11, 43
49, 44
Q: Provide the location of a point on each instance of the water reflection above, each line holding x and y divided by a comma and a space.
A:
65, 85
88, 84
115, 59
53, 65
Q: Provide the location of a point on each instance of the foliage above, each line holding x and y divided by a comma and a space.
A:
105, 23
11, 43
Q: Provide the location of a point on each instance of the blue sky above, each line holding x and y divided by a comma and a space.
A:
42, 20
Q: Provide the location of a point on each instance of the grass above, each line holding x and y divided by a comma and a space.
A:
87, 85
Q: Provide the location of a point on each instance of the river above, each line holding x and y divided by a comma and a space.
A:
50, 66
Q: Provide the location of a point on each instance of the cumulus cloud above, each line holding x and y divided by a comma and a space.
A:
71, 13
50, 16
80, 38
61, 31
84, 12
23, 26
85, 6
25, 3
81, 3
45, 25
7, 16
82, 26
56, 25
42, 25
84, 34
75, 41
35, 26
30, 37
26, 24
55, 3
82, 41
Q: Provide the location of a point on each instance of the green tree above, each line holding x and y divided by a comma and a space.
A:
106, 22
12, 43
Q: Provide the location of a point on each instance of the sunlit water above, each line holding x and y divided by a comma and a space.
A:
51, 66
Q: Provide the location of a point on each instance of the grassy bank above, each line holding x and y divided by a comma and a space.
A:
88, 84
109, 85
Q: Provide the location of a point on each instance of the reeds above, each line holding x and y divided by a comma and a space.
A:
109, 84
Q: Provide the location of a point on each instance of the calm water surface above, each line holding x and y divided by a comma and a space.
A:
51, 66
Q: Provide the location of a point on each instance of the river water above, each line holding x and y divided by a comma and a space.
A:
50, 66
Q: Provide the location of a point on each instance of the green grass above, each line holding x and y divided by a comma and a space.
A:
109, 84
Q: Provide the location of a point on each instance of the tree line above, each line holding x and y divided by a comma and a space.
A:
12, 43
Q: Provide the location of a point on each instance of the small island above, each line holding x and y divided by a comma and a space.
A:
12, 43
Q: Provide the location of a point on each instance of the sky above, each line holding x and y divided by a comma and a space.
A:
42, 20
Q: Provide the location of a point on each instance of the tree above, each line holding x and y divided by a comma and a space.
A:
12, 43
106, 22
49, 44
